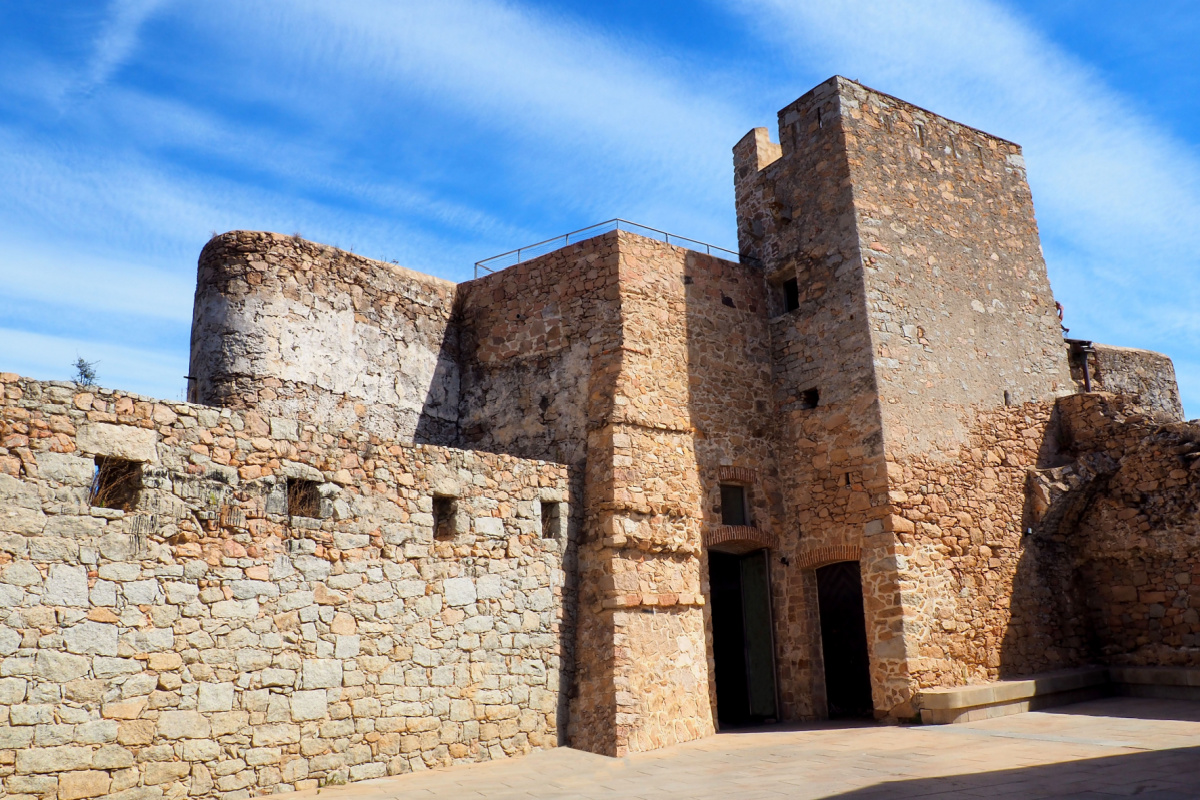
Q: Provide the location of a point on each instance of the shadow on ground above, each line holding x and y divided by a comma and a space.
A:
1152, 775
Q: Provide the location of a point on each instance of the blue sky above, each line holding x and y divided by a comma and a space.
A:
437, 134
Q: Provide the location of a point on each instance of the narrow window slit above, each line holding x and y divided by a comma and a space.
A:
551, 520
445, 508
791, 294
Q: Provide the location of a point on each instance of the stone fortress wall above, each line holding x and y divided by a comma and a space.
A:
409, 523
207, 642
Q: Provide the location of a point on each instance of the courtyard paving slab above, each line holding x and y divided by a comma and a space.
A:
1117, 747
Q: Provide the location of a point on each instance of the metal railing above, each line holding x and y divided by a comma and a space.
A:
513, 257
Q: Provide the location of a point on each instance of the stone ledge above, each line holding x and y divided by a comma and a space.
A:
1164, 683
985, 701
989, 700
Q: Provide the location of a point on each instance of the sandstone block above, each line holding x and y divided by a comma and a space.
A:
183, 725
10, 640
162, 662
216, 697
92, 638
157, 772
22, 573
120, 571
31, 714
490, 527
31, 784
69, 470
141, 593
112, 757
66, 586
201, 750
119, 441
246, 590
68, 527
139, 732
54, 759
15, 738
85, 783
273, 735
278, 677
25, 521
235, 609
459, 591
12, 691
229, 722
322, 674
96, 732
347, 647
308, 705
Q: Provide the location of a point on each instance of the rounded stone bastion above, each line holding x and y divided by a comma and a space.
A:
301, 331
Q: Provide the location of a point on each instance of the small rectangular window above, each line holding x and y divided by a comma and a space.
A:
791, 294
444, 510
303, 498
733, 505
809, 398
116, 483
551, 520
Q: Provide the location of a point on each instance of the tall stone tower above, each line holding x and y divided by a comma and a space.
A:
910, 306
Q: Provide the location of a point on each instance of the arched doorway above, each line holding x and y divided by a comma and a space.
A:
844, 640
743, 637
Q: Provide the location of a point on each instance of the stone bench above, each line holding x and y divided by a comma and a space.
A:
1000, 698
1167, 683
988, 700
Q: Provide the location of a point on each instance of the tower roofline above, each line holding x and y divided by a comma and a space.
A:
837, 77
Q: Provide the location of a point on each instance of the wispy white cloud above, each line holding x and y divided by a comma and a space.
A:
116, 41
1119, 195
603, 123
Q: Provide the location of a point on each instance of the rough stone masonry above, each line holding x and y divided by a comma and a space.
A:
616, 496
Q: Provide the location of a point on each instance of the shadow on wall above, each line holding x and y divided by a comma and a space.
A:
452, 389
1050, 624
1165, 774
438, 422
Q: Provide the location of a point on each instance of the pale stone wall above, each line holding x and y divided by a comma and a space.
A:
536, 346
310, 332
208, 643
1146, 377
961, 312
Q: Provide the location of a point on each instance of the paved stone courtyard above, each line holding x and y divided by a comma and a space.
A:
1102, 749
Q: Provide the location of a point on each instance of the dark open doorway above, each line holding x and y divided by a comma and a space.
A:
844, 640
743, 643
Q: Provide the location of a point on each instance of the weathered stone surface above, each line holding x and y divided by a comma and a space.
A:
322, 674
69, 470
85, 783
119, 441
183, 725
308, 705
53, 759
